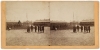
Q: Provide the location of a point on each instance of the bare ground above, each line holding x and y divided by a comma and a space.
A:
53, 38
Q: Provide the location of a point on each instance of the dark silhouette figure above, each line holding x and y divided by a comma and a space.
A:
81, 28
84, 28
78, 28
89, 29
74, 29
28, 29
31, 28
38, 28
56, 28
8, 28
35, 28
43, 29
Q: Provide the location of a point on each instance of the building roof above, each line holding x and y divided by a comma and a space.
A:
11, 22
58, 22
45, 20
51, 21
91, 20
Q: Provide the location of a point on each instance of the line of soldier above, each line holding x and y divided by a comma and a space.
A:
39, 28
86, 29
30, 28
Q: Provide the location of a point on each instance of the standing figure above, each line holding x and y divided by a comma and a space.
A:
89, 29
8, 28
84, 28
38, 28
28, 29
55, 28
77, 28
74, 29
35, 28
43, 29
81, 28
31, 28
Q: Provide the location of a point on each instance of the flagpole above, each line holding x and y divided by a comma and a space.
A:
73, 16
49, 10
27, 19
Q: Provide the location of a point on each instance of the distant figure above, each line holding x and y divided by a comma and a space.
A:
84, 28
28, 29
74, 29
35, 28
31, 28
38, 28
77, 28
81, 28
8, 28
55, 28
89, 29
43, 29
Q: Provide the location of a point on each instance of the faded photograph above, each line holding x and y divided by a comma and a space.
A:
58, 23
72, 23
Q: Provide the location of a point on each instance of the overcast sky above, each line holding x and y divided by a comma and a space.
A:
61, 11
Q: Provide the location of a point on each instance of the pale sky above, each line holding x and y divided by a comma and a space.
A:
61, 11
65, 10
33, 10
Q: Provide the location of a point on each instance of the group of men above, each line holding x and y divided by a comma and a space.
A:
37, 28
85, 28
30, 28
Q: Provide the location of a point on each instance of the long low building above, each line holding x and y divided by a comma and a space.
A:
51, 24
45, 22
58, 24
87, 22
16, 25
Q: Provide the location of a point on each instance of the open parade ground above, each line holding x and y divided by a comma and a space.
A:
20, 37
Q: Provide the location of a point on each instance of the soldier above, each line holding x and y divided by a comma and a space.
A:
84, 28
55, 28
28, 29
81, 28
43, 29
35, 28
77, 28
31, 28
38, 28
89, 29
74, 29
7, 28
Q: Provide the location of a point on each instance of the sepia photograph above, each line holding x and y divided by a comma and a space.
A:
49, 23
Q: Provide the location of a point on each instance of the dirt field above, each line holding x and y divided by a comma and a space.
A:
53, 38
67, 37
22, 38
